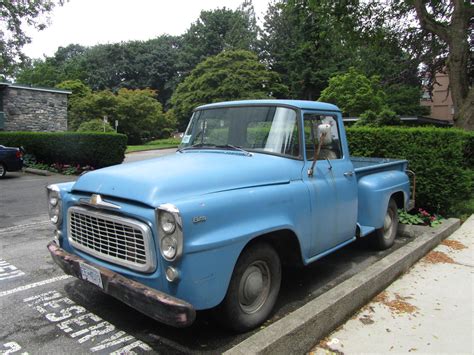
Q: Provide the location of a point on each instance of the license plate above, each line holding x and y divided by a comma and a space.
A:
91, 274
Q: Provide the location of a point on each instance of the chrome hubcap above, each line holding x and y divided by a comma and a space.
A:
254, 287
1, 170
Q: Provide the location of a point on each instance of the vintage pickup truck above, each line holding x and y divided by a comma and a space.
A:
254, 185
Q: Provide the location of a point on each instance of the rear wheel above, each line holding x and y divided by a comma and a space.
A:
385, 237
3, 170
253, 289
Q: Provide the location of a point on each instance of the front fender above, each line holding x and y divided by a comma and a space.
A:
375, 191
228, 221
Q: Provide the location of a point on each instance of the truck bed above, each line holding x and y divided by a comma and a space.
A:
364, 166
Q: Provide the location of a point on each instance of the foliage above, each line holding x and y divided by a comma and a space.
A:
29, 160
355, 93
215, 31
140, 116
386, 117
444, 173
13, 16
230, 75
439, 40
95, 126
422, 217
94, 149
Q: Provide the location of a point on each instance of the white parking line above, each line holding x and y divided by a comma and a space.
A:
33, 285
9, 271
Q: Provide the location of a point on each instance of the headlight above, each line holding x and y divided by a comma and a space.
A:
54, 204
167, 222
169, 247
170, 231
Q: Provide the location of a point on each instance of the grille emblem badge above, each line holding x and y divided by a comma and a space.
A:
97, 202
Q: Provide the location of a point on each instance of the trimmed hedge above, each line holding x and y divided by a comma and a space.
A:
95, 149
442, 159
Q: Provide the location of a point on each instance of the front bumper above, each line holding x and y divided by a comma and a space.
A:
155, 304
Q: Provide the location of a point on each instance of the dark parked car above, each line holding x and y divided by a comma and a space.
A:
11, 159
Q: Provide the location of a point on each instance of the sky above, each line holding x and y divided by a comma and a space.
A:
91, 22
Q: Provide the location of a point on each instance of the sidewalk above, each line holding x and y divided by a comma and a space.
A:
427, 310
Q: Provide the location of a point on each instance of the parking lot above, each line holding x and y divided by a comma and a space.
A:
45, 311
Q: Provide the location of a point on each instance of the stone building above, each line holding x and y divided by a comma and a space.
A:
25, 108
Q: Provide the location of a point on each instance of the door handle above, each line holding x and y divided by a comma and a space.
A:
348, 173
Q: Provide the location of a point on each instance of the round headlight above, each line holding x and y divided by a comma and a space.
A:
54, 206
169, 247
167, 222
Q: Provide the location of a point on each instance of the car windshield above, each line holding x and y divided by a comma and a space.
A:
266, 129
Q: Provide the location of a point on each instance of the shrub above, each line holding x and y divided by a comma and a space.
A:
441, 158
94, 149
96, 125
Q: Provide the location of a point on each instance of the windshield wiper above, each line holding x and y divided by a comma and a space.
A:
230, 146
197, 145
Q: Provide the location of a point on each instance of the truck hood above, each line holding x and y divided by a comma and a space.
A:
192, 173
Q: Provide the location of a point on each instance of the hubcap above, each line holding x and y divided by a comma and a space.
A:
1, 170
388, 225
254, 287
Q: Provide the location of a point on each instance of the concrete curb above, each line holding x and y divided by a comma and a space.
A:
38, 172
300, 330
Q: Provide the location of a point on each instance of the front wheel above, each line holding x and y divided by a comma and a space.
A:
253, 289
3, 170
384, 237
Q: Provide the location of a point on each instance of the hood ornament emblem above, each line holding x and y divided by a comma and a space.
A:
96, 201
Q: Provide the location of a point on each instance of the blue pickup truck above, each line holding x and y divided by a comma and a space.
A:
254, 185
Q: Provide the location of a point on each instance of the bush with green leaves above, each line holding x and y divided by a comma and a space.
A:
94, 149
95, 126
441, 158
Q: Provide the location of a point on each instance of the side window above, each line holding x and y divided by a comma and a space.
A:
321, 132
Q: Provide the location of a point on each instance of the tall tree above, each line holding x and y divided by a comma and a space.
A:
231, 75
452, 22
215, 31
13, 16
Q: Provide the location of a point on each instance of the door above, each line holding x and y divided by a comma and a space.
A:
332, 186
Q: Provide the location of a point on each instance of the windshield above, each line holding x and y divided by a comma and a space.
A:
266, 129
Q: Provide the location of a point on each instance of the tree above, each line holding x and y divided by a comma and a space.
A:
306, 42
230, 75
95, 126
140, 116
355, 93
451, 21
215, 31
13, 15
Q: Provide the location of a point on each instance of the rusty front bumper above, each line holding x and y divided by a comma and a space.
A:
155, 304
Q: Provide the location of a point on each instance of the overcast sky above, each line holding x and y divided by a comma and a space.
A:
90, 22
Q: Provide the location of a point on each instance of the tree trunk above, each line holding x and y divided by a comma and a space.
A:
465, 117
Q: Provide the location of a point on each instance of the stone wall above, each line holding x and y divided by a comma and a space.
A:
34, 110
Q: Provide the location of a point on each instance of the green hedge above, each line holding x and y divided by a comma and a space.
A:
94, 149
441, 158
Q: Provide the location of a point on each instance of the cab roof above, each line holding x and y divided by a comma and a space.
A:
300, 104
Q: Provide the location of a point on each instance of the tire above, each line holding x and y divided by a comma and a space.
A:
384, 237
3, 170
253, 289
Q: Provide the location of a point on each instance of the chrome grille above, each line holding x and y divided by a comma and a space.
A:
120, 240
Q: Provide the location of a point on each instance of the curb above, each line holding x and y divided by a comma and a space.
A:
299, 331
38, 172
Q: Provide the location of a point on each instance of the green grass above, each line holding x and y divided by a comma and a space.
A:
157, 144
